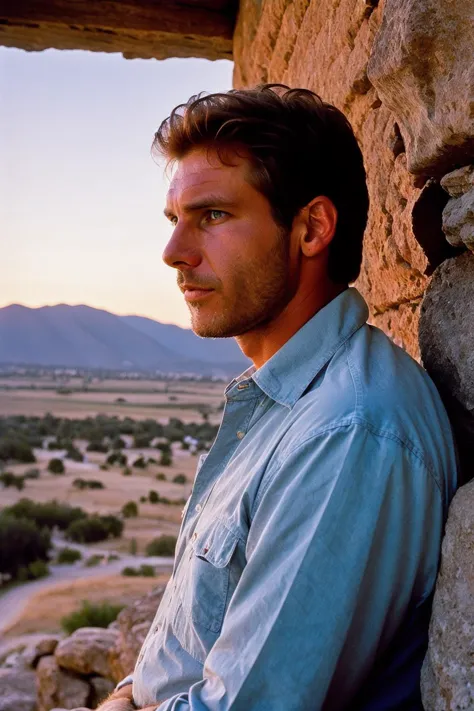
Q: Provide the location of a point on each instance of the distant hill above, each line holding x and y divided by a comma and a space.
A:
84, 337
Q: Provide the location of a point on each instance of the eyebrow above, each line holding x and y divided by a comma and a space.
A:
202, 204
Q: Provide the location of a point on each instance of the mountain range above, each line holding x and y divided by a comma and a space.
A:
85, 337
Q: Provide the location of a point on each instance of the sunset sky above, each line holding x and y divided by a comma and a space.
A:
81, 199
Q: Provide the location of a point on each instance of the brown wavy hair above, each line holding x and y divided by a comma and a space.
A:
299, 147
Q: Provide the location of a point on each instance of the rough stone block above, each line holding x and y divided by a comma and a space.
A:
59, 688
447, 680
87, 651
422, 68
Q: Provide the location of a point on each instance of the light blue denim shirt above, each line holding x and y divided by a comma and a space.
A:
310, 544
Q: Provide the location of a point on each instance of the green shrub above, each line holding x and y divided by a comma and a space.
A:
21, 543
97, 446
56, 466
32, 474
140, 463
118, 443
16, 448
129, 571
127, 471
141, 440
91, 615
153, 497
38, 569
87, 484
104, 467
152, 460
49, 513
160, 476
111, 557
94, 528
130, 510
117, 458
14, 480
133, 546
166, 460
79, 483
93, 560
180, 479
68, 555
163, 545
143, 499
147, 571
74, 454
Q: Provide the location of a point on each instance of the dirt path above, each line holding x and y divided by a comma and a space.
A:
14, 601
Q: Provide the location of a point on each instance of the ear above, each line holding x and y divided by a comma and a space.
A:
320, 220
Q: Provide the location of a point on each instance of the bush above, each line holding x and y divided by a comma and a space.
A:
112, 556
118, 443
104, 467
127, 471
91, 615
74, 454
56, 466
13, 447
143, 499
93, 560
153, 497
140, 463
32, 474
49, 514
97, 446
141, 440
163, 545
160, 476
87, 484
117, 458
133, 546
180, 479
68, 555
147, 571
10, 479
21, 543
94, 528
38, 569
152, 460
129, 571
166, 460
130, 510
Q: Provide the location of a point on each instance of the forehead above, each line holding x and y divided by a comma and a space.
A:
201, 171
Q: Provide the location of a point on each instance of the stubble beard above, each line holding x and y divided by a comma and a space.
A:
260, 291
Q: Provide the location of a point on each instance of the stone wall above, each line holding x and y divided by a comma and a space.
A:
326, 45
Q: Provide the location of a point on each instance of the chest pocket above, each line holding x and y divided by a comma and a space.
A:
203, 587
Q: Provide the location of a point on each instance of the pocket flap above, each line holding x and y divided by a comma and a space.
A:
216, 544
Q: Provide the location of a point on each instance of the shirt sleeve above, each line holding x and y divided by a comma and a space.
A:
337, 551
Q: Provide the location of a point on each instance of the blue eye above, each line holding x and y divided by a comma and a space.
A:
216, 214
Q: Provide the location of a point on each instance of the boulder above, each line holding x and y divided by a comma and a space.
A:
87, 651
134, 622
42, 648
447, 680
458, 215
17, 690
421, 66
447, 347
57, 687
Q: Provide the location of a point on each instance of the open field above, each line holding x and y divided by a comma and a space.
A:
191, 402
124, 398
46, 608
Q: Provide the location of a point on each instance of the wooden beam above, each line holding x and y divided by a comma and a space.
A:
137, 28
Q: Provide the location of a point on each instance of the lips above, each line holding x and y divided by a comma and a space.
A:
194, 293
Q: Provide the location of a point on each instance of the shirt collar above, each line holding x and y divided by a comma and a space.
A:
289, 372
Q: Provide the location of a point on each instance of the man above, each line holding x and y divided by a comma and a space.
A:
309, 547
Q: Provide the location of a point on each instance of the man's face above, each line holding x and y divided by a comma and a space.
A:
231, 256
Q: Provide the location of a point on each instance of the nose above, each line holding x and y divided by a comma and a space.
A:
182, 252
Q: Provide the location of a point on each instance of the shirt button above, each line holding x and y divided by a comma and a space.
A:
240, 434
198, 508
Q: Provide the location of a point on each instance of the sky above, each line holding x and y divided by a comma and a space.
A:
81, 199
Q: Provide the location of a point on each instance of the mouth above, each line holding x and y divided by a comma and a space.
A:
192, 293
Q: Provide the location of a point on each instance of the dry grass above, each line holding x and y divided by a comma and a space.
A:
46, 608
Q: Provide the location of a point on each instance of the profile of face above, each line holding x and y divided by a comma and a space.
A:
232, 258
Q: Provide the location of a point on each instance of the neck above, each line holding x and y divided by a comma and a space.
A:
262, 342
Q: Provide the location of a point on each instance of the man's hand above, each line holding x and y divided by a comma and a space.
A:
121, 700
